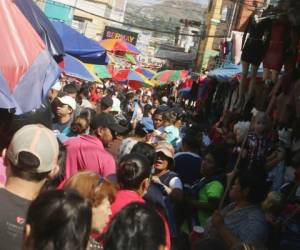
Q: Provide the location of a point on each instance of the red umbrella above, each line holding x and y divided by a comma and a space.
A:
119, 45
27, 70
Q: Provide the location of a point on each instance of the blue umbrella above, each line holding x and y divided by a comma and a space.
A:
42, 26
79, 46
75, 68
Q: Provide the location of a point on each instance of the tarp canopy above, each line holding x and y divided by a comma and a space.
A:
42, 26
229, 71
176, 56
79, 46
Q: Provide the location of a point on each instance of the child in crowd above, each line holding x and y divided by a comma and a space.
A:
260, 150
170, 132
79, 126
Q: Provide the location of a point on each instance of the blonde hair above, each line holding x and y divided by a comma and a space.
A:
263, 117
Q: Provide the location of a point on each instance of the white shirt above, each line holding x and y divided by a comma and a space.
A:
175, 182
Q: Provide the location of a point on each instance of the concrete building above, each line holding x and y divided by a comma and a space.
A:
193, 28
86, 16
118, 11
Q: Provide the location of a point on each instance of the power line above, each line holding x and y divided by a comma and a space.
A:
124, 23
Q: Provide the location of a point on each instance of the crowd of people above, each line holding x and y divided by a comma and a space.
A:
116, 168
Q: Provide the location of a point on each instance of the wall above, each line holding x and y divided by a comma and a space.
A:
207, 44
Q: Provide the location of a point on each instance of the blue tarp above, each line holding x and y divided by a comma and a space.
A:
228, 71
79, 46
73, 67
42, 26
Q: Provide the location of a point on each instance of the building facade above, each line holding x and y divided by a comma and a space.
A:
86, 16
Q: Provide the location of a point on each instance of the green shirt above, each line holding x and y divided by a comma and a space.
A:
212, 190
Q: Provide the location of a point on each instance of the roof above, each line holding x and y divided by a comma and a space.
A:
176, 56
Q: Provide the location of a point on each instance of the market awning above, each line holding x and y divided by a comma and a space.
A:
79, 46
176, 56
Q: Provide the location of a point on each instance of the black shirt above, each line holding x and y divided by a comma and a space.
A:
13, 211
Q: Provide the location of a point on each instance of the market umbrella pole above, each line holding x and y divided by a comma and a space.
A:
235, 169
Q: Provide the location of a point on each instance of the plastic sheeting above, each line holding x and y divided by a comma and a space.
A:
230, 71
27, 70
79, 46
225, 73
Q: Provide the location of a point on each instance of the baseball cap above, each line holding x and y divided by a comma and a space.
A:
116, 107
68, 100
147, 125
107, 101
166, 148
38, 141
106, 120
164, 99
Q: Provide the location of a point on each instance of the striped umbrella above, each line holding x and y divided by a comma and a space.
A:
27, 70
167, 76
75, 68
133, 78
146, 72
119, 45
100, 71
121, 75
137, 80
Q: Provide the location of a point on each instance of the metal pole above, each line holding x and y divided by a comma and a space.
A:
232, 19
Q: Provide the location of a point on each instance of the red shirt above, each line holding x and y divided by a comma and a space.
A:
87, 152
124, 198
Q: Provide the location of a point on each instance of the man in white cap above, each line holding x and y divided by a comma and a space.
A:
65, 107
31, 159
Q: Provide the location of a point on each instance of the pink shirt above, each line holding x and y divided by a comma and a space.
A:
87, 152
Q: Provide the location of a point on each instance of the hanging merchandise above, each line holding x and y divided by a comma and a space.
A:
276, 52
255, 42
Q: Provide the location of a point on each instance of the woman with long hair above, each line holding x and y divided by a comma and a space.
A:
58, 220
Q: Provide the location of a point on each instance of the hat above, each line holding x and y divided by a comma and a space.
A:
116, 107
107, 101
164, 99
106, 120
38, 141
147, 125
166, 148
68, 100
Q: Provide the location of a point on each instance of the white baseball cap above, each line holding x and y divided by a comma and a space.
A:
164, 99
68, 100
